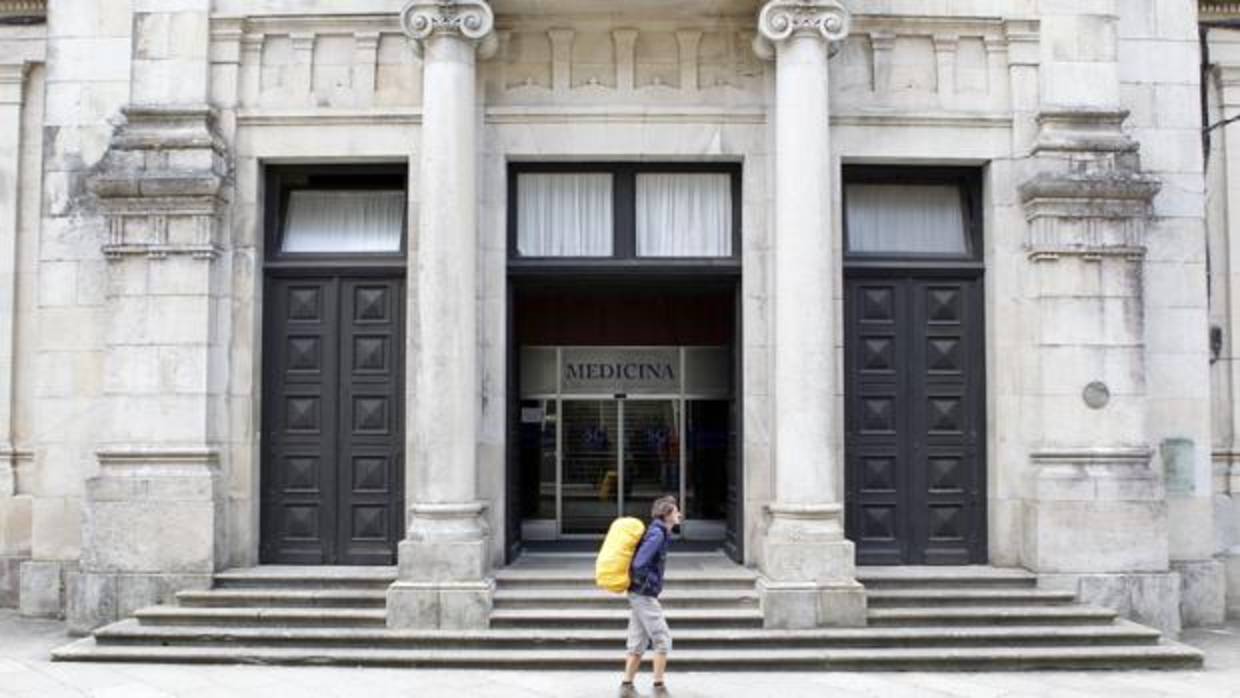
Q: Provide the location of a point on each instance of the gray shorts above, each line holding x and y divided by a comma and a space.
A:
647, 626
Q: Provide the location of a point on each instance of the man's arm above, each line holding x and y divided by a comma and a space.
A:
646, 551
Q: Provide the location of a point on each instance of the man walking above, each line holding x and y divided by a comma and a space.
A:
647, 627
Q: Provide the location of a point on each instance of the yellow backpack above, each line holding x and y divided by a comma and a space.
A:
611, 570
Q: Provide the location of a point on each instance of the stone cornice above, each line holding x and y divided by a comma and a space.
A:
471, 20
780, 20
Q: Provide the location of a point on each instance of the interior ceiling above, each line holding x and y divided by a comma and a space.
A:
624, 8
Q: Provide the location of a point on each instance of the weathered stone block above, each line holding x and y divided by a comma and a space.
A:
42, 589
1231, 567
809, 605
802, 561
15, 525
10, 581
157, 524
1203, 592
440, 605
1151, 599
90, 601
449, 561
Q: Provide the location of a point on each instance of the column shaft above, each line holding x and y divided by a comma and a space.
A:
804, 342
445, 366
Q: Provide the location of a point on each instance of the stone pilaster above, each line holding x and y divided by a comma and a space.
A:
808, 567
1095, 508
444, 577
154, 515
15, 509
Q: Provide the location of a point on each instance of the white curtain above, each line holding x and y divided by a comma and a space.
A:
344, 221
905, 219
684, 215
564, 215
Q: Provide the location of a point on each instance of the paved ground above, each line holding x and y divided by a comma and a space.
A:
26, 671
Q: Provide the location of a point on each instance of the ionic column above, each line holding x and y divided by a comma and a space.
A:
808, 566
444, 560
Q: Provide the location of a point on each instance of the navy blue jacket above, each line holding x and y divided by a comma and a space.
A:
646, 572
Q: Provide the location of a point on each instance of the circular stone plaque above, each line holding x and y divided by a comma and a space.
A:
1096, 394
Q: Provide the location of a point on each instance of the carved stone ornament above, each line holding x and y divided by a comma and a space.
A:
469, 19
781, 19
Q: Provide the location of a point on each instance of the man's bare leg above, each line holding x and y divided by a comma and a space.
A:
660, 666
631, 663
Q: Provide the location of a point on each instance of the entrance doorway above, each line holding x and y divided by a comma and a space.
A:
332, 478
604, 431
914, 368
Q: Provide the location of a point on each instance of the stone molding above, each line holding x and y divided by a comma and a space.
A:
13, 82
23, 10
162, 183
1089, 215
780, 20
1091, 198
1109, 456
1083, 131
470, 20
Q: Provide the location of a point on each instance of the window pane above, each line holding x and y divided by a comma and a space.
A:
905, 219
684, 215
344, 221
564, 215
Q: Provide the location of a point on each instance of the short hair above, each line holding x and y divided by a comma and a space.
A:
662, 506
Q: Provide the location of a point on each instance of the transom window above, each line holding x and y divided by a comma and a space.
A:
598, 211
910, 213
337, 212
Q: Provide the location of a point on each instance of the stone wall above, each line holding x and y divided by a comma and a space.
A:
1112, 283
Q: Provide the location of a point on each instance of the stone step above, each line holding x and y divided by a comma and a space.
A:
952, 578
1161, 656
1073, 614
130, 632
262, 616
306, 577
551, 599
283, 598
890, 598
619, 618
540, 579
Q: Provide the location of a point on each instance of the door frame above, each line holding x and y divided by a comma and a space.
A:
894, 266
279, 181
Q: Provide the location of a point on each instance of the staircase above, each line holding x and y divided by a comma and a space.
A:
549, 615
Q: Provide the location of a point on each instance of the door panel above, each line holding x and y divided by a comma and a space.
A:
332, 471
914, 406
651, 454
590, 479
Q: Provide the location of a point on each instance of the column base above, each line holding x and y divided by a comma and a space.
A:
42, 589
1149, 598
1203, 592
794, 605
443, 577
440, 605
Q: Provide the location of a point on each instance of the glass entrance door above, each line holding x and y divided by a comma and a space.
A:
590, 466
651, 455
618, 456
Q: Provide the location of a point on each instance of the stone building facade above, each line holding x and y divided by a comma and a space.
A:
1036, 371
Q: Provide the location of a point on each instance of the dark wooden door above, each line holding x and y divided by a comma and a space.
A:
914, 395
333, 420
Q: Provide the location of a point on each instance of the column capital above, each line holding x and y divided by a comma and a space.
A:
469, 20
780, 20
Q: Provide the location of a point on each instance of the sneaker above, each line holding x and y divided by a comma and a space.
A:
628, 690
661, 692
